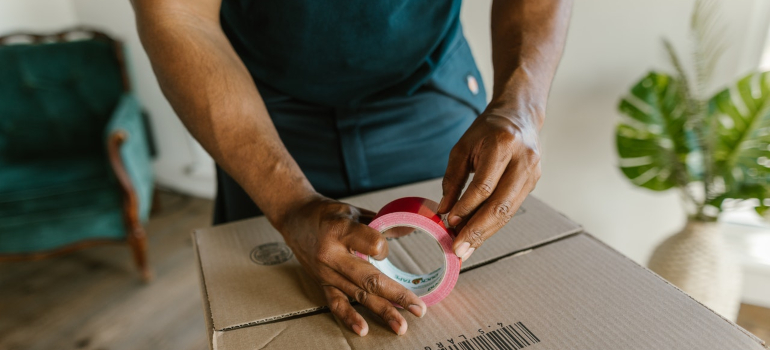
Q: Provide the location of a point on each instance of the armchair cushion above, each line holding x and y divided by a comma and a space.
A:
41, 199
56, 98
46, 223
20, 181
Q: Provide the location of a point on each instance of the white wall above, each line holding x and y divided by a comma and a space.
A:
36, 15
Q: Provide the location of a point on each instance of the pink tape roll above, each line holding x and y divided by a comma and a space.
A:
419, 213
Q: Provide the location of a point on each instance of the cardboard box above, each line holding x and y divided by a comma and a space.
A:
539, 283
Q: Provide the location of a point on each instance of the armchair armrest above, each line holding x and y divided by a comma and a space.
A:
129, 153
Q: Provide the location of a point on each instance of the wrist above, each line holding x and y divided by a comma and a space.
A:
521, 97
524, 116
291, 209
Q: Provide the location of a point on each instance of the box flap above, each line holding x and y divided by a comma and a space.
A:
575, 293
243, 288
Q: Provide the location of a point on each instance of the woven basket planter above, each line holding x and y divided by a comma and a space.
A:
698, 261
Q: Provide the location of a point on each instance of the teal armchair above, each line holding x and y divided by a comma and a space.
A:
75, 160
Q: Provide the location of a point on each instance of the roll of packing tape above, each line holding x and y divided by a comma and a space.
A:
419, 213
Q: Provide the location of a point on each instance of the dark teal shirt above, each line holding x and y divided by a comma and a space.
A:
341, 52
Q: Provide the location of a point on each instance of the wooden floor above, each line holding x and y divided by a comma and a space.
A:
93, 299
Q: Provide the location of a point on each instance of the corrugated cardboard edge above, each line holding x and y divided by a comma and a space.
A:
275, 319
747, 333
206, 307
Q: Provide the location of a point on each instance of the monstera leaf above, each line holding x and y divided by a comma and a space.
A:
741, 131
652, 140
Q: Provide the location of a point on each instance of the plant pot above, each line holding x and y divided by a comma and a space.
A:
698, 261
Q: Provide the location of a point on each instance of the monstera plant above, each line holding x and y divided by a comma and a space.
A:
711, 155
711, 148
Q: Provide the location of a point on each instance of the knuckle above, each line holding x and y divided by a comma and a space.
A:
463, 208
536, 173
338, 207
361, 296
503, 211
378, 246
458, 150
401, 299
483, 188
532, 155
447, 182
334, 227
506, 138
337, 306
475, 237
339, 212
384, 313
372, 283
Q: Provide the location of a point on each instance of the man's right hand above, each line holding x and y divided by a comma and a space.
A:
324, 234
214, 95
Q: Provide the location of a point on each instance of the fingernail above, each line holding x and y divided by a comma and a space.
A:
440, 203
358, 330
468, 254
454, 220
417, 310
462, 249
399, 328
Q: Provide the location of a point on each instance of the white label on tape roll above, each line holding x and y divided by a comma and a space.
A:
418, 284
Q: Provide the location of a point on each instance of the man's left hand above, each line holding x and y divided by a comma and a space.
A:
503, 152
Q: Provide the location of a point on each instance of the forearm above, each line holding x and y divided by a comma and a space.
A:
212, 93
527, 42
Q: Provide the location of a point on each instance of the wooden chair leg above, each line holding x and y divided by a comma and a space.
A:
156, 206
135, 234
137, 239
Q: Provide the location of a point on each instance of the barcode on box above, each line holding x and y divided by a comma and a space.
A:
510, 337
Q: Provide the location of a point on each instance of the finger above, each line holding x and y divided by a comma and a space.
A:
456, 175
365, 240
380, 306
340, 307
386, 311
462, 224
490, 168
494, 214
374, 282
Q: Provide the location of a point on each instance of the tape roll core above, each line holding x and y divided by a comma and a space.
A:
419, 213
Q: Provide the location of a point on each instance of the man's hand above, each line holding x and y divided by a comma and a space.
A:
502, 146
503, 152
323, 234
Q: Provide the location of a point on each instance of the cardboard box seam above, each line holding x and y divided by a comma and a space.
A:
578, 230
745, 332
206, 303
282, 318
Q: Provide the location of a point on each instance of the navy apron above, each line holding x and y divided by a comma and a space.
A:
356, 115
